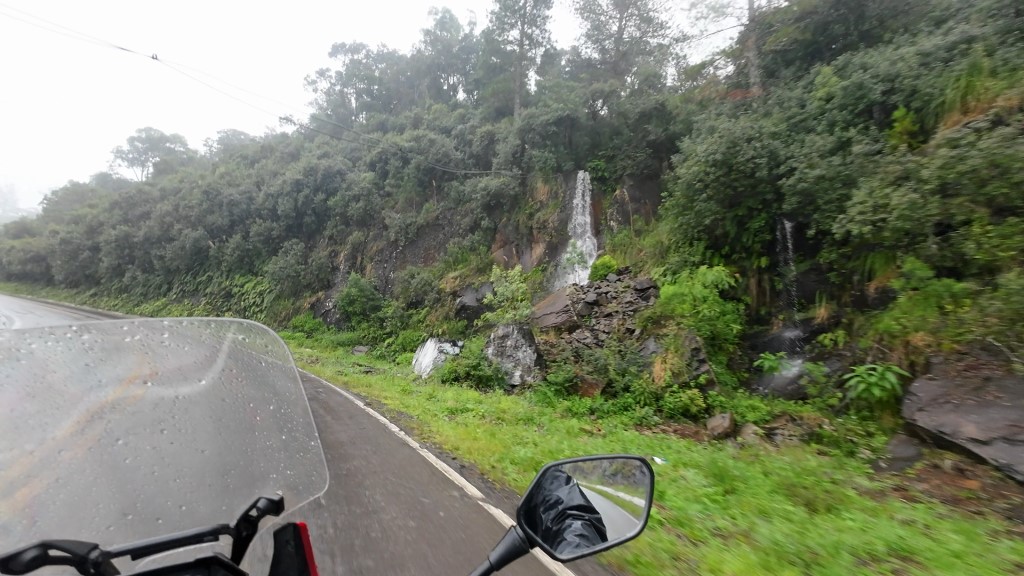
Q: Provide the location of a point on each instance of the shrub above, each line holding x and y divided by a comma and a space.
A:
770, 362
602, 267
472, 369
693, 300
405, 342
307, 324
875, 385
833, 340
359, 302
560, 380
285, 270
510, 302
683, 404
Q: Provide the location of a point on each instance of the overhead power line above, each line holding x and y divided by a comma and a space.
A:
179, 68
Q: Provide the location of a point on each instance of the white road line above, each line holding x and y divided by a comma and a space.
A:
507, 522
627, 497
444, 468
499, 515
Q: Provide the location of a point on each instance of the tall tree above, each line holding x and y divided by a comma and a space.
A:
624, 35
724, 15
147, 147
521, 26
446, 54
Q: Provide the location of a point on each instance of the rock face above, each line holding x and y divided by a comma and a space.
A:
635, 201
513, 348
432, 354
587, 315
721, 426
984, 418
750, 434
556, 311
470, 304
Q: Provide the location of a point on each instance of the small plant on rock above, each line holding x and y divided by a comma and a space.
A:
770, 362
602, 267
875, 385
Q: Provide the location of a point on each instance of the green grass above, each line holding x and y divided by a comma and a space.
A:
719, 509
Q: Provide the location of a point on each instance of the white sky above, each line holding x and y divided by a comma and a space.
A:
67, 103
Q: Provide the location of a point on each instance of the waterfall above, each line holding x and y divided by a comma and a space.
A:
787, 270
574, 267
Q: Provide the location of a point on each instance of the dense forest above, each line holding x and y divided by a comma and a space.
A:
888, 136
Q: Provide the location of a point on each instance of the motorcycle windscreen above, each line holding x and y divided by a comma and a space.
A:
112, 432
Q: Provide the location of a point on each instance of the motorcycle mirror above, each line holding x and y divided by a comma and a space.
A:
581, 506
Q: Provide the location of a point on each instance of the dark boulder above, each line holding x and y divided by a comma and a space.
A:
901, 453
513, 348
643, 284
470, 304
721, 425
983, 418
555, 312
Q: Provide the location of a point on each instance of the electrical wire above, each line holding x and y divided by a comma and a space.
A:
62, 30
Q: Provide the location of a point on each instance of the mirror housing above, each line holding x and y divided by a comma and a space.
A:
578, 507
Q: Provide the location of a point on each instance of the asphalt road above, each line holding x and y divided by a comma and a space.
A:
618, 522
387, 509
21, 313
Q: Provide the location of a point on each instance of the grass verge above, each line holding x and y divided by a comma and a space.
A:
719, 509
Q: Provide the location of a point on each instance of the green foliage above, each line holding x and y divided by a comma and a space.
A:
770, 362
510, 301
683, 404
404, 342
472, 369
307, 324
694, 300
834, 340
602, 267
905, 129
929, 313
876, 386
725, 190
560, 380
359, 302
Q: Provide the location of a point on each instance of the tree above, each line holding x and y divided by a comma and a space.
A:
445, 56
148, 147
521, 26
723, 15
624, 35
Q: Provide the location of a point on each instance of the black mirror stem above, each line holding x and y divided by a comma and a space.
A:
513, 545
